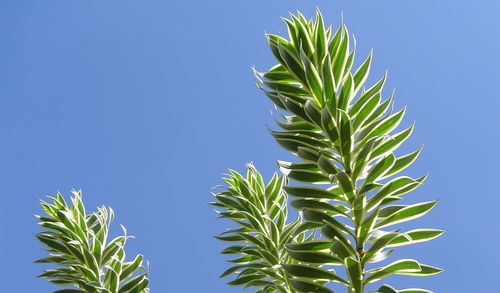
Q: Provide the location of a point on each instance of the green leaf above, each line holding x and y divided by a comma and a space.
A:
308, 192
425, 270
346, 185
245, 279
130, 268
334, 44
389, 289
340, 56
414, 290
314, 257
355, 273
321, 37
284, 53
306, 176
313, 78
416, 236
380, 168
373, 120
402, 162
366, 96
313, 112
111, 279
329, 83
310, 245
345, 134
299, 125
292, 31
52, 243
406, 214
392, 143
288, 168
365, 111
292, 140
279, 75
308, 154
398, 267
362, 157
302, 285
381, 256
349, 62
304, 271
362, 72
303, 36
378, 245
320, 217
286, 88
293, 104
333, 232
367, 226
386, 289
263, 283
329, 126
392, 188
300, 204
387, 125
327, 166
346, 93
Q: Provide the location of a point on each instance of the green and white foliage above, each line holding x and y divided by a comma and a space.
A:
260, 213
344, 134
79, 248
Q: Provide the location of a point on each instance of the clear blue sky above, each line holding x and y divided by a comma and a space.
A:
144, 104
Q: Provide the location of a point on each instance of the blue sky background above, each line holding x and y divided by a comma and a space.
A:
144, 104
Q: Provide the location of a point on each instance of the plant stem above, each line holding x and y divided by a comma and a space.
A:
287, 283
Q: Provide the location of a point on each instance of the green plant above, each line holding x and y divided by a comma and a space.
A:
343, 135
78, 245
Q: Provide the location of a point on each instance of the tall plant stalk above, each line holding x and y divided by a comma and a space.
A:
343, 134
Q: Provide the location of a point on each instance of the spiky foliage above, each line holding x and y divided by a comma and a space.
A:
78, 245
343, 134
260, 212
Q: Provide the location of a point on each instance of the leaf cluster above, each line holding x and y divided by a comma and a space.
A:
260, 212
344, 135
85, 259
